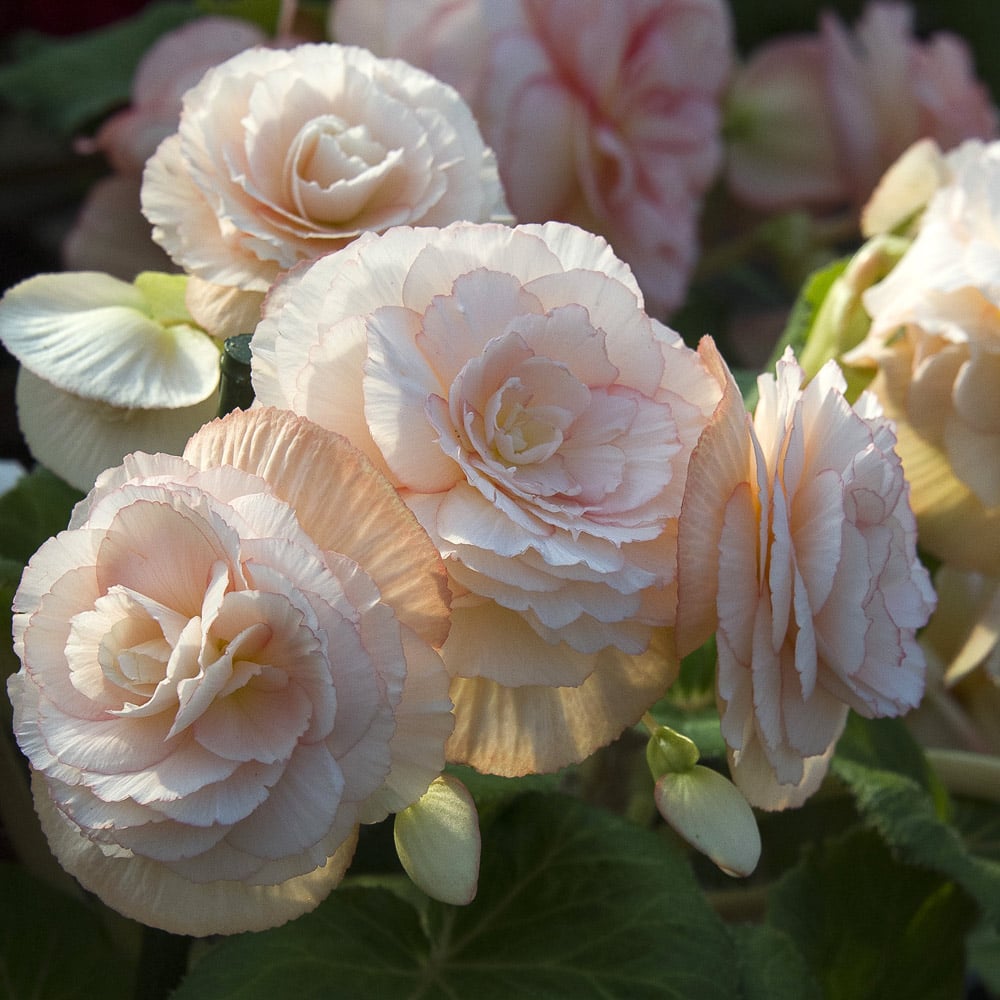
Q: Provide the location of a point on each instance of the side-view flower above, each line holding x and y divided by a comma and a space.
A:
228, 665
539, 424
797, 548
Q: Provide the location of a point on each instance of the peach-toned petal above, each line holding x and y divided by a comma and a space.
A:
154, 895
355, 512
524, 730
210, 698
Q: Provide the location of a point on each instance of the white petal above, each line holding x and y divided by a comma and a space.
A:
94, 336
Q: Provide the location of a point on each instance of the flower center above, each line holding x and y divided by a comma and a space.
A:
332, 168
522, 434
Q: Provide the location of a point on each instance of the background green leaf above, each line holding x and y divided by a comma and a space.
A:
871, 927
67, 84
907, 814
38, 506
53, 947
573, 902
771, 967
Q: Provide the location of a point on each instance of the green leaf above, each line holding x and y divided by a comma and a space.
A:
771, 967
489, 788
800, 320
984, 955
909, 819
872, 928
67, 84
53, 947
573, 902
886, 745
37, 507
263, 13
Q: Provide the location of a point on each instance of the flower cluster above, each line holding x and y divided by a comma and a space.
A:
485, 499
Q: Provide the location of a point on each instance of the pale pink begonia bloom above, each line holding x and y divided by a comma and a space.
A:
283, 156
111, 234
602, 115
935, 340
228, 664
172, 65
797, 548
106, 367
538, 423
816, 119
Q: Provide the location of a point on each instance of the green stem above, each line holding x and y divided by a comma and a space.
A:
974, 775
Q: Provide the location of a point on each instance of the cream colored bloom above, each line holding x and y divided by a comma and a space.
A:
935, 342
797, 547
285, 155
962, 642
227, 665
107, 367
538, 423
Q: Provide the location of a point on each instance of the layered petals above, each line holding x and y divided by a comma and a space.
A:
537, 422
604, 118
797, 547
285, 155
934, 343
214, 693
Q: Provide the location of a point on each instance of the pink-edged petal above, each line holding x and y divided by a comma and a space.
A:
151, 893
720, 461
353, 510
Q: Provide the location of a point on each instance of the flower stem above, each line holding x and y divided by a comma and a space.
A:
975, 775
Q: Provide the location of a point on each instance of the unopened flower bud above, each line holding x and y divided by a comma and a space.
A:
710, 813
438, 843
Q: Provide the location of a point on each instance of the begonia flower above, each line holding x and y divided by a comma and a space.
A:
282, 156
227, 664
107, 367
602, 115
817, 119
538, 423
110, 233
797, 548
934, 342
